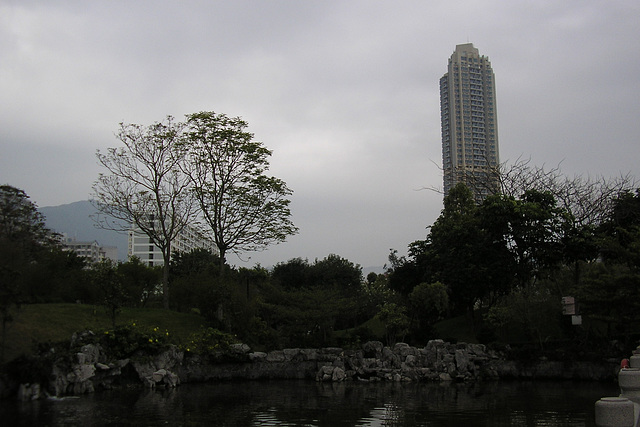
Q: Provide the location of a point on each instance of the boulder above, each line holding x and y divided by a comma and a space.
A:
338, 374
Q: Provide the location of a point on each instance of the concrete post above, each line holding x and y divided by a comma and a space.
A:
615, 412
634, 360
629, 382
625, 409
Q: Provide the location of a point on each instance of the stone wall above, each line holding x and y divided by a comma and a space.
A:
437, 361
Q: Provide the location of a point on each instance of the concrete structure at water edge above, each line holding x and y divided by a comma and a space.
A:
623, 410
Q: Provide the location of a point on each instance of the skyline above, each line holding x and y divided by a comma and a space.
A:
345, 94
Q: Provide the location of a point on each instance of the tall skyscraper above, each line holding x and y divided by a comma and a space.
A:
469, 123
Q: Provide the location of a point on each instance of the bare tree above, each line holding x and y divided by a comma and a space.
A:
588, 199
244, 209
145, 187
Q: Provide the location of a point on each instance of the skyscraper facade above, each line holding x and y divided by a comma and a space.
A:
469, 123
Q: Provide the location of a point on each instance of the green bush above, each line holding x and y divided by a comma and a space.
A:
208, 341
128, 340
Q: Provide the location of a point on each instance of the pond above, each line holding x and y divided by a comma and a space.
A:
307, 403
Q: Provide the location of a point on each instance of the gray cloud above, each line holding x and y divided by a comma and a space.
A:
344, 93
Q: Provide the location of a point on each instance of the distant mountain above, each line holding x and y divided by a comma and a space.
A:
74, 220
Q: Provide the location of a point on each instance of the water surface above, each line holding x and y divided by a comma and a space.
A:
307, 403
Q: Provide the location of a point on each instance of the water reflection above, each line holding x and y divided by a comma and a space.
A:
306, 403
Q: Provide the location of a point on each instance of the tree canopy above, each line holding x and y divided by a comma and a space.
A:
243, 208
206, 173
145, 186
23, 241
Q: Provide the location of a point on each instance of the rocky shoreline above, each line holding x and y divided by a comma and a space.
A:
92, 369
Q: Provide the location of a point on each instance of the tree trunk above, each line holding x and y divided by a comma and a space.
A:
166, 256
4, 337
223, 260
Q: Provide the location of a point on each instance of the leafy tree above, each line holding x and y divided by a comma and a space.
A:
610, 289
139, 281
407, 275
532, 311
304, 316
429, 302
610, 293
293, 274
23, 239
9, 297
195, 261
457, 251
377, 292
306, 302
395, 320
531, 233
145, 186
587, 201
537, 233
227, 300
620, 234
197, 282
22, 226
335, 271
107, 278
481, 252
244, 209
59, 275
72, 277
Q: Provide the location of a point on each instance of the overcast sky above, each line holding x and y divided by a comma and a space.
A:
345, 93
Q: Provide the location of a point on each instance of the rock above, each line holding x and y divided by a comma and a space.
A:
410, 360
325, 373
83, 372
372, 349
445, 377
239, 348
309, 353
275, 356
171, 379
158, 375
462, 360
437, 361
28, 392
91, 353
257, 356
338, 374
401, 347
291, 354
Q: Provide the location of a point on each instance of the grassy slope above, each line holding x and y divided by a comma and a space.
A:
40, 323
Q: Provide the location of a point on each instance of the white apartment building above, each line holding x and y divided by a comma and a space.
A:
141, 246
91, 250
469, 121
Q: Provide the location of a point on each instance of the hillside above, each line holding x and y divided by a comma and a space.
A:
75, 220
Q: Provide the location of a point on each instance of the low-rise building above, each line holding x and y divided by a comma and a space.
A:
91, 250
